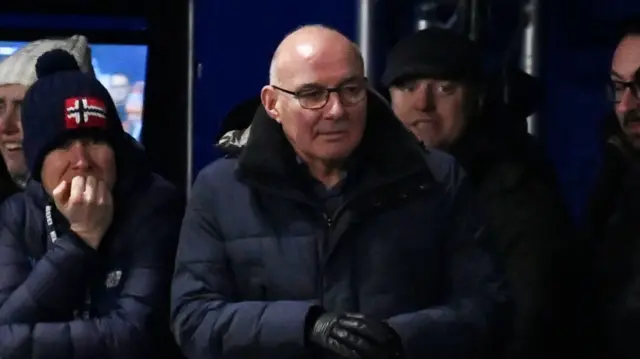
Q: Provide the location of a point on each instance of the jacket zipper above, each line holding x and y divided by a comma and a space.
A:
329, 221
321, 247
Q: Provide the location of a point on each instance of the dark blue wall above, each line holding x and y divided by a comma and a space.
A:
234, 43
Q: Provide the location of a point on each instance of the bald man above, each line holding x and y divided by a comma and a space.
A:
332, 233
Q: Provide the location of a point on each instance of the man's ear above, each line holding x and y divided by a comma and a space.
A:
269, 101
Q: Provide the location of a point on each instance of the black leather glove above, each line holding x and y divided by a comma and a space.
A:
353, 336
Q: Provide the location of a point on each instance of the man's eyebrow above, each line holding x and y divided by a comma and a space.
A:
349, 79
309, 86
5, 99
616, 75
315, 85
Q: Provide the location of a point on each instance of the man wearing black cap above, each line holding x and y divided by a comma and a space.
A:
87, 249
426, 85
437, 83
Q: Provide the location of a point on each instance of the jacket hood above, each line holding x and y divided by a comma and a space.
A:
233, 141
240, 116
236, 126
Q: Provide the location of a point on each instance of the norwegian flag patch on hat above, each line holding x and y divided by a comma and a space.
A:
85, 112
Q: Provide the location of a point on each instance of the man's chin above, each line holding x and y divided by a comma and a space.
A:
17, 170
433, 142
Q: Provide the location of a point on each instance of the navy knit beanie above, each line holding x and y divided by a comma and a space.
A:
63, 104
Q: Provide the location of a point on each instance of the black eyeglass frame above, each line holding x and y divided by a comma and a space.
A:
327, 93
630, 85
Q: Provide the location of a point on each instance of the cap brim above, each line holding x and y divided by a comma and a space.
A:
392, 77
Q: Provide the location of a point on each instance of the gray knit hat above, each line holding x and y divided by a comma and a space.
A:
20, 67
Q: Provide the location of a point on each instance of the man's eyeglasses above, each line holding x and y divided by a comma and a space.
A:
616, 90
315, 98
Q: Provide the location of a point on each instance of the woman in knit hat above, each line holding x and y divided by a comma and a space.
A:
17, 74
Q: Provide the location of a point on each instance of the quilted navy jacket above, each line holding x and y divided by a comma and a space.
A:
407, 246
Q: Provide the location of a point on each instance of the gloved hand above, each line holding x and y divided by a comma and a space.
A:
354, 336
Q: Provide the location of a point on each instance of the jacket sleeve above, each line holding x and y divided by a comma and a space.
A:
209, 320
125, 332
31, 293
475, 302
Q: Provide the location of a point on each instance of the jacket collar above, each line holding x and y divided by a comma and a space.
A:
387, 152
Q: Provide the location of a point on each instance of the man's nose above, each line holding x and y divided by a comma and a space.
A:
423, 99
79, 155
628, 102
335, 106
10, 122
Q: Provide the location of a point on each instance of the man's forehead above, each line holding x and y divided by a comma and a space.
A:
327, 69
626, 59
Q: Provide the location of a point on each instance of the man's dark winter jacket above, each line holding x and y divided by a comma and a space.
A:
610, 253
529, 223
407, 246
531, 226
66, 300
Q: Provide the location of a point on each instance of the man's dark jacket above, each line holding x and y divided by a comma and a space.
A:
530, 223
407, 246
44, 285
610, 252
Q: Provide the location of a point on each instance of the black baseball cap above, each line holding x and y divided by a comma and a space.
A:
435, 53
